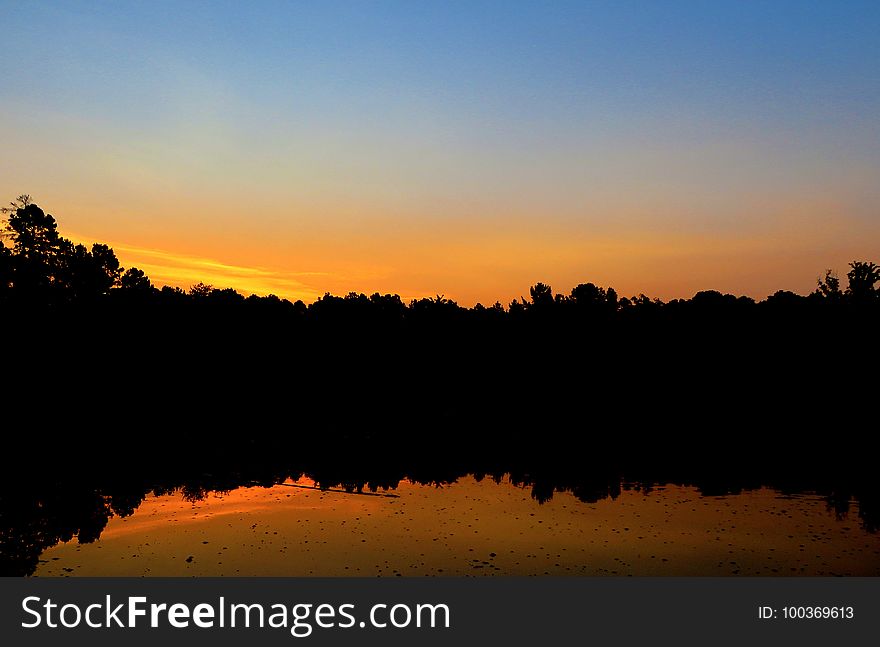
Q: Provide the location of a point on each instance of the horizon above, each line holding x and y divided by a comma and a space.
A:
468, 150
198, 268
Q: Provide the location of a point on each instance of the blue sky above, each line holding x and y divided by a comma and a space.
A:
346, 128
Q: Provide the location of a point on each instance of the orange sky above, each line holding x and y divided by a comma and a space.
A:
452, 149
487, 259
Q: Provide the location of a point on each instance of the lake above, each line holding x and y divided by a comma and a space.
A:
474, 527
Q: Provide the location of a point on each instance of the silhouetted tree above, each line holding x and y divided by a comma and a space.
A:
862, 277
829, 287
85, 274
226, 297
134, 280
42, 267
35, 248
542, 295
785, 300
106, 270
33, 232
592, 301
201, 290
516, 307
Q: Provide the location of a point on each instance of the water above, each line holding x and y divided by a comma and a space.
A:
475, 528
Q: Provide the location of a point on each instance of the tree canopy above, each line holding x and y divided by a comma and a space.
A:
41, 268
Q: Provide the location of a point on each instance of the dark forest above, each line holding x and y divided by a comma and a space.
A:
113, 388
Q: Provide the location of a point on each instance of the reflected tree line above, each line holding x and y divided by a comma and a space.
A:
113, 388
40, 509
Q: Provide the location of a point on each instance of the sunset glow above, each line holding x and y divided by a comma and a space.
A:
468, 150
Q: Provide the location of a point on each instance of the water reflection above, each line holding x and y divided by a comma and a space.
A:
514, 516
473, 527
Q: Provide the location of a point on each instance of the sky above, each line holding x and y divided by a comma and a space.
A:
464, 148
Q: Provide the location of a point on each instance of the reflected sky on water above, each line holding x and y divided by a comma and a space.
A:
473, 527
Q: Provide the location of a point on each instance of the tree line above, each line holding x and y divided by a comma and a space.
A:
40, 268
105, 375
86, 337
39, 509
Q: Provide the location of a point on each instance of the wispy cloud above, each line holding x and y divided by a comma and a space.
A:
184, 270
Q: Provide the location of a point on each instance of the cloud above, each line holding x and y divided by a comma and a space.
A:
184, 270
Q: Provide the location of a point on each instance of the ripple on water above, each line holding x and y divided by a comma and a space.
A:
475, 528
